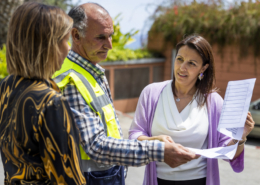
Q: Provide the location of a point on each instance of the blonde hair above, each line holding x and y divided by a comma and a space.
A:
34, 33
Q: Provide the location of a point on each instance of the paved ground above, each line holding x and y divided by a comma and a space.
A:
250, 175
1, 172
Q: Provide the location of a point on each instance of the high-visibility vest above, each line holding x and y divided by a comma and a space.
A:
97, 100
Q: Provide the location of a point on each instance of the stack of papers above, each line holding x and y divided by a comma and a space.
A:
233, 116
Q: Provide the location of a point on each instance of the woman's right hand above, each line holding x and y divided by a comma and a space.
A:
164, 138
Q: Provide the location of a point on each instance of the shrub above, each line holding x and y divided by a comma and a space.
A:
3, 69
239, 25
119, 41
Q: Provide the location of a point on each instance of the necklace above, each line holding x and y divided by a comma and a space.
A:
178, 99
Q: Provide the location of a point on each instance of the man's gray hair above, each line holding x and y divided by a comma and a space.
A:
80, 18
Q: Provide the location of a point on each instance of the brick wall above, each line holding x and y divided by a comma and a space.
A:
229, 65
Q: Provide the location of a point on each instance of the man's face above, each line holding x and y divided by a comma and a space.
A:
98, 39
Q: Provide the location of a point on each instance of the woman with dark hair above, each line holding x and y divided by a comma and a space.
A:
38, 137
186, 110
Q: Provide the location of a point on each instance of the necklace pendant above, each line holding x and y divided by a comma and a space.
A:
178, 99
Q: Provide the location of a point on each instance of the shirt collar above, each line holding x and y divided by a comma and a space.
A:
75, 57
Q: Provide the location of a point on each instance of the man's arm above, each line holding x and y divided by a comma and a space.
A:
108, 150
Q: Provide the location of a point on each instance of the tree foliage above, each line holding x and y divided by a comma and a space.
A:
3, 70
6, 9
237, 25
120, 40
63, 4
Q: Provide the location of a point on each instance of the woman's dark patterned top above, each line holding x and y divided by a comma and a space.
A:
38, 137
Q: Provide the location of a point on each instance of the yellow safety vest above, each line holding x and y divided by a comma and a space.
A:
93, 94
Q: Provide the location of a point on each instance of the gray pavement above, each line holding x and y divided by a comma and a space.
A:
135, 175
1, 172
250, 175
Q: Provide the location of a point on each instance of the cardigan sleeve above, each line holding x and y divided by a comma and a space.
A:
146, 106
238, 163
140, 123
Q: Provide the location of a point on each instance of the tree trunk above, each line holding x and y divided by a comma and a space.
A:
6, 9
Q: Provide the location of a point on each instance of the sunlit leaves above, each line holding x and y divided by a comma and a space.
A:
3, 70
237, 25
120, 40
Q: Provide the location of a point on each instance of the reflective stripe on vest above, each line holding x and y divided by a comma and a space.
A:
93, 95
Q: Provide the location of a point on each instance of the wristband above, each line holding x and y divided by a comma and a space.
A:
241, 142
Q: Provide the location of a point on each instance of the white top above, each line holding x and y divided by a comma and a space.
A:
188, 128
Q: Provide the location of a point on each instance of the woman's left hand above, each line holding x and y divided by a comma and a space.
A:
249, 125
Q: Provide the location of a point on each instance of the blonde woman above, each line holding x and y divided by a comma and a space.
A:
38, 138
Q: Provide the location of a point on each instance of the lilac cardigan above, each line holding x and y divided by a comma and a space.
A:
142, 125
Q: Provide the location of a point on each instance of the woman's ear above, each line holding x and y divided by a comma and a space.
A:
75, 36
204, 68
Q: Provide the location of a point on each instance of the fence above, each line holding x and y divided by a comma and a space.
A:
127, 80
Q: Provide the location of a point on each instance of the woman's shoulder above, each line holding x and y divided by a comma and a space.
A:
157, 86
7, 80
215, 100
152, 91
215, 96
38, 91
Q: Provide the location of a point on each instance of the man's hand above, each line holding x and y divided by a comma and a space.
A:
176, 155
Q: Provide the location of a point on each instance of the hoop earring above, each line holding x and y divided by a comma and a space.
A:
200, 77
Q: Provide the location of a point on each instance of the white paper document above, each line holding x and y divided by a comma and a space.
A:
227, 152
232, 119
235, 107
